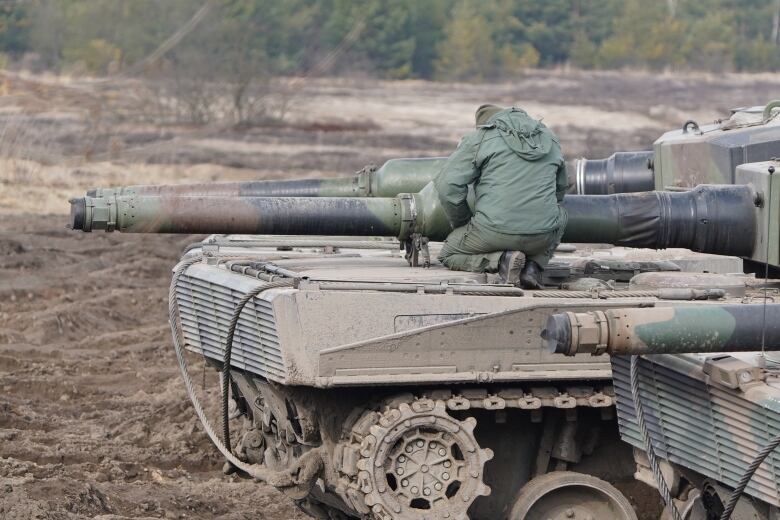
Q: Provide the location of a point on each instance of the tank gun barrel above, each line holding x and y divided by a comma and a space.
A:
712, 219
621, 172
230, 215
719, 219
338, 187
396, 176
665, 330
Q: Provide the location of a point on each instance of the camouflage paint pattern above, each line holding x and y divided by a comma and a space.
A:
708, 413
711, 412
712, 219
710, 154
243, 215
394, 177
666, 330
686, 157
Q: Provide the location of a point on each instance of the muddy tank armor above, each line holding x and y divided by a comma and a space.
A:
365, 385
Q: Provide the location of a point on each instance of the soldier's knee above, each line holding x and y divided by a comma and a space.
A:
450, 261
445, 255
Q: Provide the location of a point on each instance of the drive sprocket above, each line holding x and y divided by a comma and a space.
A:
420, 463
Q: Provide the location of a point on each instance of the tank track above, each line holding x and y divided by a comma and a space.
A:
533, 398
378, 451
374, 460
415, 461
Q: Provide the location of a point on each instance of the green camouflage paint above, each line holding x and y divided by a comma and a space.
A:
394, 177
706, 329
709, 154
655, 219
677, 329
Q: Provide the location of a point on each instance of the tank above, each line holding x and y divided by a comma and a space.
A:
705, 381
365, 384
371, 381
680, 159
684, 158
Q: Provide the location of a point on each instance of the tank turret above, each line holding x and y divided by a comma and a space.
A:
695, 154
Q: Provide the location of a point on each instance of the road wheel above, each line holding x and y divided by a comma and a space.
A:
565, 495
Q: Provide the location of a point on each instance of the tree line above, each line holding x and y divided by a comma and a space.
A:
432, 39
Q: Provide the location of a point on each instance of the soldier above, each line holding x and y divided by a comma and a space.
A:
519, 176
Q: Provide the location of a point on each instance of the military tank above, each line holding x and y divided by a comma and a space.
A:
680, 159
365, 380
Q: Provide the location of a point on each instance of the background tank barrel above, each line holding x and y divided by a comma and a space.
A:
395, 176
712, 219
665, 330
622, 172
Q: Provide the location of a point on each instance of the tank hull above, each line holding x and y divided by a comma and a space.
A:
470, 361
405, 349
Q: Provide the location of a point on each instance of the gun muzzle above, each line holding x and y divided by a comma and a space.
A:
622, 172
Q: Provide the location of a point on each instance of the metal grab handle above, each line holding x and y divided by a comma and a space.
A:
768, 109
691, 123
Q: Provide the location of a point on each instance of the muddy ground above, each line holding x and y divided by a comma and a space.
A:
94, 420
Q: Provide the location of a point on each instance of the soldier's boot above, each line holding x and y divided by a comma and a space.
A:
531, 276
510, 265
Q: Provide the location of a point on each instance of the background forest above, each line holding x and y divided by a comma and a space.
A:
200, 61
470, 40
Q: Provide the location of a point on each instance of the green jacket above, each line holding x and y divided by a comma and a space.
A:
518, 172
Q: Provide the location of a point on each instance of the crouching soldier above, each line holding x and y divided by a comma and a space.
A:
519, 176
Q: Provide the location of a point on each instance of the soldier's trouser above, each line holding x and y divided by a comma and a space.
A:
476, 249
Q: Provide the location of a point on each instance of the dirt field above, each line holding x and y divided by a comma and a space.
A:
94, 420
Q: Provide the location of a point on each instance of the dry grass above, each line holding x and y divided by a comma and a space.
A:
59, 137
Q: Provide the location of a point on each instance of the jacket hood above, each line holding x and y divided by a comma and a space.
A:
485, 113
527, 137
